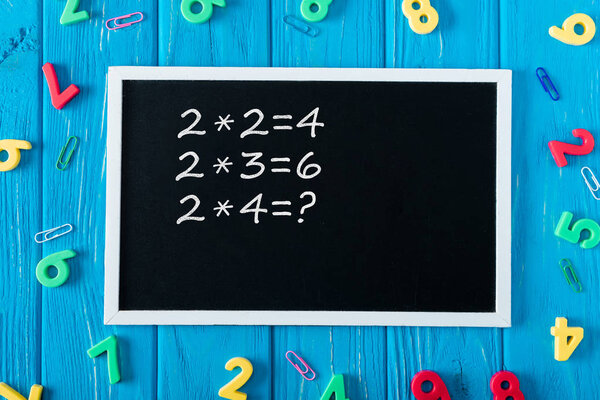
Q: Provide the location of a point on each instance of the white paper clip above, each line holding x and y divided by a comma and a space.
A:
594, 180
45, 234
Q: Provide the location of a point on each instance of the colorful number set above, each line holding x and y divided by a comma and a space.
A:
504, 386
564, 229
425, 385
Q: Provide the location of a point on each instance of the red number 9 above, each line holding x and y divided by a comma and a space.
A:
512, 390
437, 392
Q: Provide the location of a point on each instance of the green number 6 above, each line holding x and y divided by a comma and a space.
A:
573, 235
319, 14
202, 16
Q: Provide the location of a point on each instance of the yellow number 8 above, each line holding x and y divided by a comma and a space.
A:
422, 20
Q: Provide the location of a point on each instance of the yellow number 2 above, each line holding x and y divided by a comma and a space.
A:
11, 394
567, 33
229, 391
423, 18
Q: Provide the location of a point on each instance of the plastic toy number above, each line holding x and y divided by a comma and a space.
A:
13, 147
108, 346
566, 339
322, 8
511, 391
202, 16
559, 149
567, 33
11, 394
423, 19
336, 386
71, 16
504, 386
56, 260
438, 390
573, 235
229, 391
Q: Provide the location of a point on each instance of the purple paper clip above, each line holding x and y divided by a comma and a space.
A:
117, 25
307, 368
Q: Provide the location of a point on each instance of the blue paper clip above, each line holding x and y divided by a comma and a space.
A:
61, 163
567, 268
547, 83
301, 26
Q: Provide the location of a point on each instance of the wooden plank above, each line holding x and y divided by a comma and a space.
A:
465, 358
20, 194
542, 191
350, 36
73, 313
192, 359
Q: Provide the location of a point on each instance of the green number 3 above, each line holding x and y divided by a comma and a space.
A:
202, 16
573, 235
319, 14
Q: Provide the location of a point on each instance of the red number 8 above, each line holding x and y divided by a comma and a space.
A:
511, 391
437, 392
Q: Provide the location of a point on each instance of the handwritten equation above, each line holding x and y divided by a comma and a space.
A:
254, 164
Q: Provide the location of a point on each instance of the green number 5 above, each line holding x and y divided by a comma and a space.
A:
573, 235
202, 16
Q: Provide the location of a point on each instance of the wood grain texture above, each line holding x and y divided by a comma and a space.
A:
192, 359
542, 191
44, 333
350, 36
73, 313
465, 358
20, 194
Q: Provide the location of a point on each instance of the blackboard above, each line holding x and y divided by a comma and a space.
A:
308, 196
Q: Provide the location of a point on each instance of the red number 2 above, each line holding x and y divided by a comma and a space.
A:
437, 392
512, 386
559, 149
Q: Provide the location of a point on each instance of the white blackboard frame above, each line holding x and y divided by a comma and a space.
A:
501, 318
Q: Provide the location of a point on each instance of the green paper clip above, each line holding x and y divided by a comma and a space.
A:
565, 265
108, 346
62, 164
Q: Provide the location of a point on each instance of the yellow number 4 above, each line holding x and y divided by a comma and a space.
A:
566, 339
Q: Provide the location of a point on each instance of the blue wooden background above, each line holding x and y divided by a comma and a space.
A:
44, 333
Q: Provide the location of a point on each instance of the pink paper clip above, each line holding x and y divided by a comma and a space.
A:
116, 20
307, 368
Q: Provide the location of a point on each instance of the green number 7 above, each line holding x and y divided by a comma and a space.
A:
573, 235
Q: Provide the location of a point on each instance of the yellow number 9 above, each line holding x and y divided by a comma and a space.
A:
229, 391
13, 148
567, 33
422, 20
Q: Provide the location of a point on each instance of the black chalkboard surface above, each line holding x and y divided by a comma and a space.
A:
277, 196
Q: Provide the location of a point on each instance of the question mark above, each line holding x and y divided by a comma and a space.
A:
307, 206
